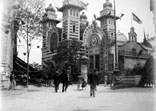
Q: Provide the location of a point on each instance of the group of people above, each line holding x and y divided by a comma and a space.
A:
13, 81
93, 80
63, 78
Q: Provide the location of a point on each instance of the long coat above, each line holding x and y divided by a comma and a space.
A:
93, 79
64, 77
57, 79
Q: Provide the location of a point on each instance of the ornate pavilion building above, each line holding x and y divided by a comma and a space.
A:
100, 41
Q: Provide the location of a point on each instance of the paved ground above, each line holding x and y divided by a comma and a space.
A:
45, 99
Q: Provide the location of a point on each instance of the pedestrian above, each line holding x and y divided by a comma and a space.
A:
64, 79
93, 80
12, 81
56, 81
105, 80
84, 84
24, 80
79, 83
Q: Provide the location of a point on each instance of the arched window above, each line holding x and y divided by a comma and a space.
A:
53, 42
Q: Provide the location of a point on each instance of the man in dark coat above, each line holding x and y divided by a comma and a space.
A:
56, 81
12, 81
93, 80
64, 79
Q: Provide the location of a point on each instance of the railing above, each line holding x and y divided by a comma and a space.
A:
132, 54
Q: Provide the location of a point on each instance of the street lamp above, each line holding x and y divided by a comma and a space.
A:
116, 70
116, 55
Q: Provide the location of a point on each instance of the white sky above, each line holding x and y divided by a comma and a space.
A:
140, 7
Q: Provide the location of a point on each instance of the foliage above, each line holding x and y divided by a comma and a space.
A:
49, 69
30, 12
148, 75
68, 54
36, 66
27, 13
137, 70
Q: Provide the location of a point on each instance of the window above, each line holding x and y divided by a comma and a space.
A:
73, 27
49, 25
111, 34
73, 12
53, 42
70, 11
77, 13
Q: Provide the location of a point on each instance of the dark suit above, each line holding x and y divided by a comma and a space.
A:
64, 79
93, 80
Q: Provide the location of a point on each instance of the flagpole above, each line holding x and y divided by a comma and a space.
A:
131, 19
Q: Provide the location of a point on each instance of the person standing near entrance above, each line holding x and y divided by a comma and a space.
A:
93, 80
12, 81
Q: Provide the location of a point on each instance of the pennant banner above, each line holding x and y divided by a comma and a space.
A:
136, 19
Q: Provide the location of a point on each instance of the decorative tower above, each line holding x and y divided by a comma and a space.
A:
107, 20
71, 19
50, 33
83, 24
132, 35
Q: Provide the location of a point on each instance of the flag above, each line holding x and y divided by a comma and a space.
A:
121, 15
136, 19
94, 16
144, 35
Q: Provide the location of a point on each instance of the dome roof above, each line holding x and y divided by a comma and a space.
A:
107, 4
83, 15
50, 8
121, 37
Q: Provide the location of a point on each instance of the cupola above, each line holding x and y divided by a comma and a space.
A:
50, 8
107, 4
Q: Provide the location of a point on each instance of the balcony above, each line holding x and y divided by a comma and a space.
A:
132, 54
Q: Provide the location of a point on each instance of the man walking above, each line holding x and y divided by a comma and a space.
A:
93, 80
64, 79
12, 81
56, 81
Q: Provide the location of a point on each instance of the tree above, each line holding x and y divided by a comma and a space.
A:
26, 15
49, 69
36, 66
137, 70
29, 15
148, 75
68, 55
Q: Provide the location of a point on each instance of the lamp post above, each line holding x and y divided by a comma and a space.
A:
116, 53
27, 53
84, 64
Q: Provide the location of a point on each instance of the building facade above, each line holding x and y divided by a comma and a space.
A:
99, 40
6, 53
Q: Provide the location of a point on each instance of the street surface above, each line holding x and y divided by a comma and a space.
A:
45, 99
